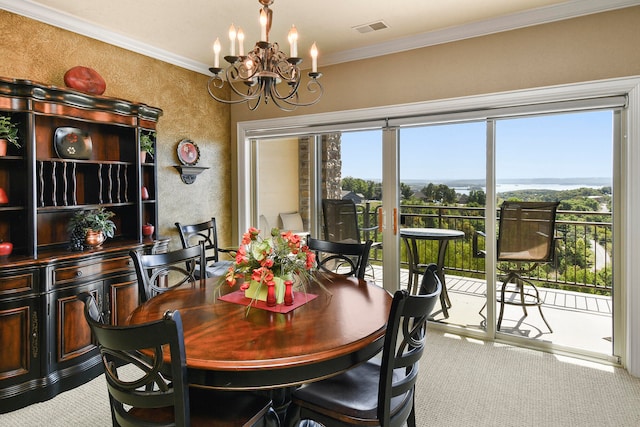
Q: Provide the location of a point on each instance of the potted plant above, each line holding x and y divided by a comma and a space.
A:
90, 228
146, 145
8, 132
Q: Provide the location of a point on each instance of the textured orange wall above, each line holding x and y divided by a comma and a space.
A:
42, 53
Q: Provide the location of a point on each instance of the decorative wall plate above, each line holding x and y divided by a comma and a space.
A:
72, 143
188, 152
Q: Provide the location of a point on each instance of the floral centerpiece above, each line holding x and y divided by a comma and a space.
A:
270, 262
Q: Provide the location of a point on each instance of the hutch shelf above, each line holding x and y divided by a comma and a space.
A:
78, 151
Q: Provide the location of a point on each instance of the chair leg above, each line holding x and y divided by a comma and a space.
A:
520, 285
502, 304
543, 318
535, 288
271, 418
292, 417
411, 420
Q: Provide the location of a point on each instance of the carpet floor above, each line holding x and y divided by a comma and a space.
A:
462, 382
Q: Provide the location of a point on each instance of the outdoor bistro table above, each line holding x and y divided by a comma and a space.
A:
230, 348
442, 235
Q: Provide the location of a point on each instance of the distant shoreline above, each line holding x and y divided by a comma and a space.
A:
542, 183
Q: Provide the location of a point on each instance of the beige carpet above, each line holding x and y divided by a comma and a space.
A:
463, 382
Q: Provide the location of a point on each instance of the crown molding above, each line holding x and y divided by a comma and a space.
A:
567, 10
71, 23
542, 15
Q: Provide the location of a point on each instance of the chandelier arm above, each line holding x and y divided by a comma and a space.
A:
224, 101
287, 106
258, 99
313, 86
292, 89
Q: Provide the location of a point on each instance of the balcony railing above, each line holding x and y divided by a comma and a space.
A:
583, 248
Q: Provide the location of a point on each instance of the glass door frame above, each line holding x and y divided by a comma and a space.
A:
628, 327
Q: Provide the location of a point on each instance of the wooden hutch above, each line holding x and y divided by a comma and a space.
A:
45, 343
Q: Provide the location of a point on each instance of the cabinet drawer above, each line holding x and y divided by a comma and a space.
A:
82, 272
19, 282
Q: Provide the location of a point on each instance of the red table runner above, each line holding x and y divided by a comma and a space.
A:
299, 298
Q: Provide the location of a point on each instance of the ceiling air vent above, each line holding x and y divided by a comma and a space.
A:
374, 26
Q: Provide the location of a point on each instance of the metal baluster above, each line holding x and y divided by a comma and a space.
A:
65, 184
41, 179
126, 183
75, 186
54, 197
118, 182
100, 183
110, 184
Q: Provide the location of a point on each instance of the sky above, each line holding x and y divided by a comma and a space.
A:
566, 145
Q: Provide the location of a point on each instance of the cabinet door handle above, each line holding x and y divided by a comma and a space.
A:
35, 349
78, 273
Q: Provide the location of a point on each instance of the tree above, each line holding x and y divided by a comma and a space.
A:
440, 193
405, 191
477, 198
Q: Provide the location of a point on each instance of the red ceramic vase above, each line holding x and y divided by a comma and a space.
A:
147, 230
6, 248
288, 292
271, 295
4, 199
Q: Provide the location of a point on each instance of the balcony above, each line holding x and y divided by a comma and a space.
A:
576, 288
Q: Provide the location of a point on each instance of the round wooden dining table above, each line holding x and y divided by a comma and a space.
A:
229, 347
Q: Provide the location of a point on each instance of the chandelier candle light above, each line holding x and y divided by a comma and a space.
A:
265, 72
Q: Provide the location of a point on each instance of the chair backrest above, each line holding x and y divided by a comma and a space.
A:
157, 273
526, 231
291, 221
404, 345
336, 256
193, 234
340, 221
144, 386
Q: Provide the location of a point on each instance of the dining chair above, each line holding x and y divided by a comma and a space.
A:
381, 391
340, 224
157, 273
348, 259
526, 239
192, 234
144, 390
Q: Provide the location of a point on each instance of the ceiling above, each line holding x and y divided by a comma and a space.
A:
182, 32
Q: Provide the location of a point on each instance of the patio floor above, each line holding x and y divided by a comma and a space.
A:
579, 321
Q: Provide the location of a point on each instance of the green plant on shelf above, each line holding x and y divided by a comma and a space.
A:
83, 221
9, 131
147, 140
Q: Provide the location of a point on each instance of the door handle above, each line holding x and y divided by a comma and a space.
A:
380, 216
395, 221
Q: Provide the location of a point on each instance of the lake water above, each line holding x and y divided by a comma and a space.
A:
504, 188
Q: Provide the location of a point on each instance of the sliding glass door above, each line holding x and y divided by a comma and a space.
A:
442, 183
351, 171
566, 158
428, 190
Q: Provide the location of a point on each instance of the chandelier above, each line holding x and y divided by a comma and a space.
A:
264, 73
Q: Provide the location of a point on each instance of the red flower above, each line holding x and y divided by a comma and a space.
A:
230, 277
262, 275
241, 255
311, 259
